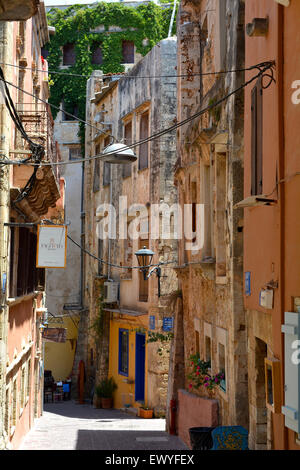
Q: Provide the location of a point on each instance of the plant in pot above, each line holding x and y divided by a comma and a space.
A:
98, 396
105, 390
145, 411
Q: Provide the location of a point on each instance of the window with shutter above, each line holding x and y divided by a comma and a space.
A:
143, 284
75, 153
128, 52
12, 262
123, 351
144, 148
127, 141
23, 261
100, 254
96, 182
106, 166
69, 56
291, 408
97, 57
256, 138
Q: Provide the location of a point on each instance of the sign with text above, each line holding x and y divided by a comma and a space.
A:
55, 335
52, 246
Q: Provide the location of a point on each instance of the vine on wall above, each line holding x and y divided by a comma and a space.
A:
75, 24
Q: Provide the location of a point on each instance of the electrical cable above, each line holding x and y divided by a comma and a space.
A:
262, 67
126, 74
106, 262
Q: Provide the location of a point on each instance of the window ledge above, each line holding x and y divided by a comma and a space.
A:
255, 201
11, 301
222, 280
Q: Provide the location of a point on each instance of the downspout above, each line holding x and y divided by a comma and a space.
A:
281, 188
82, 236
110, 226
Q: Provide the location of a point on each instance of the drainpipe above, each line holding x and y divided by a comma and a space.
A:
281, 136
82, 236
110, 223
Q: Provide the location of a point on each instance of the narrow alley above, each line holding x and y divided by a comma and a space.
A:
70, 426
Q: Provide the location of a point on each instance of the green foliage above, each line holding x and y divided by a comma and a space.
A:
98, 325
106, 388
74, 25
200, 374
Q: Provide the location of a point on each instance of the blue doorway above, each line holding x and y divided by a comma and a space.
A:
140, 367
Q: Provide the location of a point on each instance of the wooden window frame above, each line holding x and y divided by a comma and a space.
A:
128, 54
121, 369
96, 177
126, 170
67, 54
274, 366
97, 46
143, 284
144, 158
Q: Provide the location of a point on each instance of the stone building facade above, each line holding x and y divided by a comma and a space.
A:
22, 310
209, 173
131, 109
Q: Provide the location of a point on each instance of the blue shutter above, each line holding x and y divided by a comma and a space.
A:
290, 410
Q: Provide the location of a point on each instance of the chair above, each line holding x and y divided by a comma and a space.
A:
230, 438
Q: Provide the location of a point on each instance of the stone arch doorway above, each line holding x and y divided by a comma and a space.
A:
260, 435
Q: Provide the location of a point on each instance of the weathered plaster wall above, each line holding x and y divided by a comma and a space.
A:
212, 282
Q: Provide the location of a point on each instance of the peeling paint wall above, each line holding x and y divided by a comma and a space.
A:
210, 172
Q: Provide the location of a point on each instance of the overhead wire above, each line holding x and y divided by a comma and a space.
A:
127, 75
262, 68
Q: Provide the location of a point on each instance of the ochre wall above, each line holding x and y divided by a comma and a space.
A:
123, 387
59, 357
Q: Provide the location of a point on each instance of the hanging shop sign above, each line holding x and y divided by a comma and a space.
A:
51, 246
55, 335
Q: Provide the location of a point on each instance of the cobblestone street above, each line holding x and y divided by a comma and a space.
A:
69, 426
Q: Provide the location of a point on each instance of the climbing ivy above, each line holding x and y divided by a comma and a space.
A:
145, 25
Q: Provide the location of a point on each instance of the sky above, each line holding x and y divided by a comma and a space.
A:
67, 2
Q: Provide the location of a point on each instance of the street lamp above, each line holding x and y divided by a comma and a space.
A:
118, 153
144, 257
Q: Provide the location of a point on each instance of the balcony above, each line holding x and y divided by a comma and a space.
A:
18, 10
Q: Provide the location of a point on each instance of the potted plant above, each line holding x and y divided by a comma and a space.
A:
145, 411
98, 395
105, 390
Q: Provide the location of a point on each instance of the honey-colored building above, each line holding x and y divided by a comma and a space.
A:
131, 109
209, 176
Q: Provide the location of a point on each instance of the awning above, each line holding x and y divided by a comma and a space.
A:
55, 335
44, 194
123, 311
285, 3
18, 10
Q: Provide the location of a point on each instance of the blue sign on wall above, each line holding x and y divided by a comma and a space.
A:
152, 322
167, 323
247, 283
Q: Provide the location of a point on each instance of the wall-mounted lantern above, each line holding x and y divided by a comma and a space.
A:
144, 257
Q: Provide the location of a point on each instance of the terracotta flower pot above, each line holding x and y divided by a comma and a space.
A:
147, 414
97, 402
106, 402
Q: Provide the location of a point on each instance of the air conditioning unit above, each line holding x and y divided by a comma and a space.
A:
111, 292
